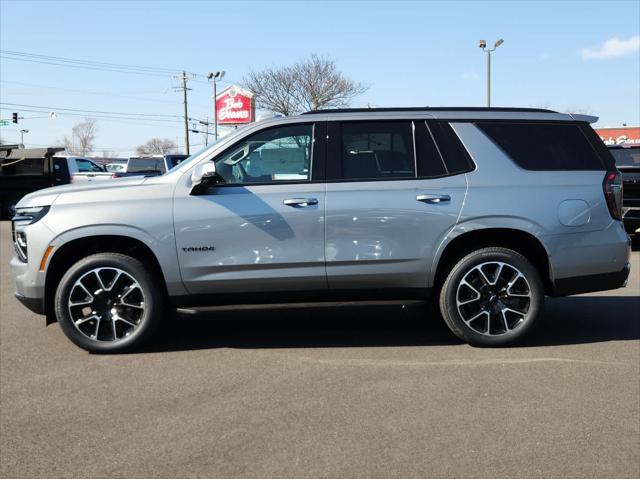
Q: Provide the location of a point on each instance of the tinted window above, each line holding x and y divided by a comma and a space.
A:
145, 165
629, 157
451, 148
87, 166
276, 154
375, 150
175, 160
544, 146
598, 145
430, 162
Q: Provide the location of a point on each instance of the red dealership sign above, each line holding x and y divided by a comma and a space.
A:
235, 106
629, 135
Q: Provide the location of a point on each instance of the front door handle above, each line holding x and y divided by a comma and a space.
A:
300, 201
433, 199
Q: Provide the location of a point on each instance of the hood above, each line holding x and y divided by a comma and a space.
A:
47, 196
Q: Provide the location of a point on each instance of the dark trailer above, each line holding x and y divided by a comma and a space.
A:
24, 170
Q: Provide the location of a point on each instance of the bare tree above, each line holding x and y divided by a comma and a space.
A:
306, 85
83, 135
157, 146
107, 154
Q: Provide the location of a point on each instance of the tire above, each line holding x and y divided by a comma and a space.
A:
492, 297
109, 303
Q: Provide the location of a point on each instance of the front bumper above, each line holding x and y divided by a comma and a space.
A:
36, 305
593, 282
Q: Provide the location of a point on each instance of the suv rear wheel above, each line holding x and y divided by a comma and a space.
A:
492, 297
109, 303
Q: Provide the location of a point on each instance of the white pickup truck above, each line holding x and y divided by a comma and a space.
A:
83, 170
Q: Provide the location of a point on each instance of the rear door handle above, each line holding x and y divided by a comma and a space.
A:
300, 201
433, 198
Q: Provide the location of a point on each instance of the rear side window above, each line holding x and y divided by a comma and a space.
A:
430, 162
544, 146
146, 165
377, 150
454, 153
596, 142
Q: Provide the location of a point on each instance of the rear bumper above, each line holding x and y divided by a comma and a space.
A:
593, 282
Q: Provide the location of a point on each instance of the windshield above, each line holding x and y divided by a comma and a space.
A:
146, 165
175, 160
626, 157
195, 155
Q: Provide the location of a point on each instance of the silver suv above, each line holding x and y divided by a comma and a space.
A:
485, 211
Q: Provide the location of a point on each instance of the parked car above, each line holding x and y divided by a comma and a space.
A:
116, 167
483, 211
627, 159
154, 165
23, 171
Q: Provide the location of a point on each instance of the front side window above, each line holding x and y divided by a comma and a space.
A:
85, 166
272, 155
377, 150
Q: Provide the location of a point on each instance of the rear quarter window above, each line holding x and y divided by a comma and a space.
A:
545, 146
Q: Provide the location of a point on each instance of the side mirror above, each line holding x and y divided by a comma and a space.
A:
202, 175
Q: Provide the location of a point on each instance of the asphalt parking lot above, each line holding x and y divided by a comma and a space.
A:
326, 392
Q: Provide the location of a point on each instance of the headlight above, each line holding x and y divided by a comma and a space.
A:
29, 215
25, 217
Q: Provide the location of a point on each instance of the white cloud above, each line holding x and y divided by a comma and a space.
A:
469, 76
614, 47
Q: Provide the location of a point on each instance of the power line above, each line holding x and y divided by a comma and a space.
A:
86, 64
89, 92
53, 108
83, 67
117, 119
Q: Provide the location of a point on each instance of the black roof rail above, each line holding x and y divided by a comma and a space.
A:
427, 109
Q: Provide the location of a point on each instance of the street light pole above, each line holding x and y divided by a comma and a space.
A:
22, 132
214, 77
483, 46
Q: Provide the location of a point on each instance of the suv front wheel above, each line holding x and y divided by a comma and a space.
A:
109, 303
492, 297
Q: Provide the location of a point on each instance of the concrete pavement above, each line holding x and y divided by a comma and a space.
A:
326, 392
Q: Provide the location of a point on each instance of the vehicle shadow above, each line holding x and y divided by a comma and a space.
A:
573, 320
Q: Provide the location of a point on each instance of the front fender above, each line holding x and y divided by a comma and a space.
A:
162, 247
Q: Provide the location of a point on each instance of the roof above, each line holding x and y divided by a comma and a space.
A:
31, 153
427, 109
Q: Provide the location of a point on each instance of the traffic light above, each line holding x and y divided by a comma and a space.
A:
14, 117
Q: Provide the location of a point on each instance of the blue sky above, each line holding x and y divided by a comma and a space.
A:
410, 53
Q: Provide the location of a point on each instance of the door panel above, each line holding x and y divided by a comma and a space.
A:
260, 244
262, 228
381, 235
383, 222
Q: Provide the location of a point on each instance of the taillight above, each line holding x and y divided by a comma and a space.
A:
612, 186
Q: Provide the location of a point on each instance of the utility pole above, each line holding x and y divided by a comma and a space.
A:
186, 114
488, 51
